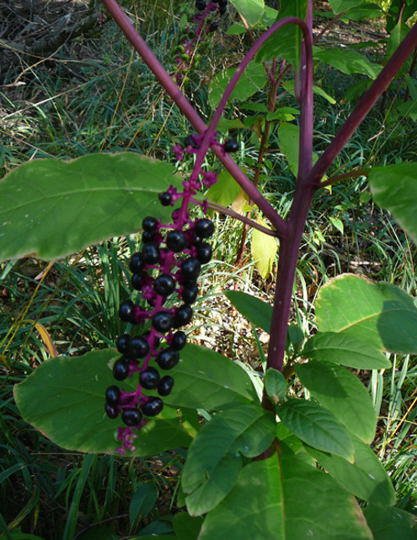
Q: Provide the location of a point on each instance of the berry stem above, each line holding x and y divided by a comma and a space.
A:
191, 114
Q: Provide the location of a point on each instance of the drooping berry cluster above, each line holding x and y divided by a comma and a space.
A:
166, 272
202, 24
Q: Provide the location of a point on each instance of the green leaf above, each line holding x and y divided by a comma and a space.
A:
389, 523
259, 313
343, 5
64, 399
51, 208
289, 144
381, 315
409, 110
264, 250
214, 460
337, 224
282, 498
347, 61
341, 393
204, 379
225, 190
286, 42
275, 384
365, 477
316, 426
289, 87
251, 10
346, 350
289, 140
142, 501
364, 11
252, 80
186, 527
394, 188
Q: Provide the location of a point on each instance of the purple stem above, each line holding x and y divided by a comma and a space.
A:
190, 113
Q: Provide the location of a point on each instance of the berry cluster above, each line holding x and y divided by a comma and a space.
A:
165, 270
203, 23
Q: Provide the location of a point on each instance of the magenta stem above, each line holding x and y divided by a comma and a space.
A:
190, 113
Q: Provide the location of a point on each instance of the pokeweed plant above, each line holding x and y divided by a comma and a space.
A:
264, 464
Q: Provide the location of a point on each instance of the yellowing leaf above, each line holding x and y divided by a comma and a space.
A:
239, 204
264, 249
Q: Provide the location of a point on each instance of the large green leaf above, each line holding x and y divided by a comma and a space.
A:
251, 10
286, 42
340, 392
316, 426
348, 61
389, 523
344, 349
259, 313
225, 190
365, 477
252, 80
282, 498
394, 187
213, 460
64, 399
343, 5
381, 315
51, 208
205, 379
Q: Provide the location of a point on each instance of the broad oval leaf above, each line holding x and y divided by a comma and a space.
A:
264, 250
51, 208
259, 313
214, 457
282, 498
343, 5
389, 523
379, 314
276, 384
394, 188
316, 426
252, 80
204, 379
344, 349
225, 190
64, 399
365, 477
348, 61
340, 392
251, 10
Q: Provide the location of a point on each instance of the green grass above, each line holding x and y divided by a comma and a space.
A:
115, 104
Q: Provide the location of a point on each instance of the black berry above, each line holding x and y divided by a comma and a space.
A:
190, 141
149, 378
231, 145
204, 228
136, 263
189, 294
204, 252
152, 407
165, 198
168, 358
121, 369
179, 339
190, 268
131, 417
176, 241
213, 26
162, 321
112, 395
111, 411
147, 237
122, 343
165, 385
164, 285
137, 281
126, 311
200, 5
150, 224
150, 254
183, 316
138, 347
